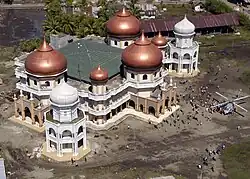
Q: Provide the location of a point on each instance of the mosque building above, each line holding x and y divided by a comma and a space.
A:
88, 83
180, 55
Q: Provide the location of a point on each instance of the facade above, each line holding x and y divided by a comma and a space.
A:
65, 123
182, 52
51, 95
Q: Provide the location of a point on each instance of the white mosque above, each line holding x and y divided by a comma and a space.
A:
55, 97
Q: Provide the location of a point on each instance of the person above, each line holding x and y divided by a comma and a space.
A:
72, 160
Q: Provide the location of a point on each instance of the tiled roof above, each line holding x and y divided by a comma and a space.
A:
84, 55
200, 22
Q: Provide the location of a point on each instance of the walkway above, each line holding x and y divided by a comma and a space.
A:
22, 6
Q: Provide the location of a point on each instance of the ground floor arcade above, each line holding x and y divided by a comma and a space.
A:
150, 106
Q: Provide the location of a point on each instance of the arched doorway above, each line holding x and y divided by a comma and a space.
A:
36, 119
123, 105
132, 104
27, 112
19, 111
166, 102
161, 110
151, 110
141, 107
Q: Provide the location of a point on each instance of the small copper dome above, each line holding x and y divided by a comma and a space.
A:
99, 74
123, 24
142, 54
159, 40
45, 61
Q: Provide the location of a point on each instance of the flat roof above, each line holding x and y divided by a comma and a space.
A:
86, 54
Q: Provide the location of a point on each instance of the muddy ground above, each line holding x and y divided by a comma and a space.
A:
174, 147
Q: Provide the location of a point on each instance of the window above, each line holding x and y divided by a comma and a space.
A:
133, 75
35, 82
47, 83
59, 80
28, 81
65, 113
145, 77
115, 42
126, 44
155, 74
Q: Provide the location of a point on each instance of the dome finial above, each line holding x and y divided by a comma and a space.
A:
44, 47
123, 10
142, 35
159, 34
99, 67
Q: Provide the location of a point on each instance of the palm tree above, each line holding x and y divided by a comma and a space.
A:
52, 25
135, 10
67, 24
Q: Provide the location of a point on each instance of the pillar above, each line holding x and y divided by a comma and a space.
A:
179, 65
196, 65
175, 100
40, 117
137, 103
47, 141
170, 97
163, 100
32, 108
22, 105
84, 136
15, 105
145, 106
157, 109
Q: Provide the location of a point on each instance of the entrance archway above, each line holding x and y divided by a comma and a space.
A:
132, 104
19, 111
151, 110
141, 107
27, 112
166, 102
123, 105
36, 119
161, 110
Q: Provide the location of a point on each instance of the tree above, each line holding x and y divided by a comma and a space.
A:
52, 25
133, 8
67, 24
217, 7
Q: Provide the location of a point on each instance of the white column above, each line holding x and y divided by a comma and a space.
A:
58, 148
47, 141
179, 65
196, 65
76, 148
191, 65
84, 136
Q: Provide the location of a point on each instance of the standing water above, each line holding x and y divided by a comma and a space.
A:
20, 24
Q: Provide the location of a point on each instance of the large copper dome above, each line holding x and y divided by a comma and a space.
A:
99, 74
123, 24
45, 61
159, 40
142, 54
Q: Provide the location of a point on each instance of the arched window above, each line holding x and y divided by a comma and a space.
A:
47, 83
133, 75
115, 42
155, 74
175, 55
195, 54
52, 132
66, 133
35, 82
144, 77
125, 44
187, 56
80, 130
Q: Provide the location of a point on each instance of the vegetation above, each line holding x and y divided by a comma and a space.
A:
29, 45
236, 160
80, 24
217, 7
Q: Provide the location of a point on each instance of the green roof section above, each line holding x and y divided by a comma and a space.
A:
86, 54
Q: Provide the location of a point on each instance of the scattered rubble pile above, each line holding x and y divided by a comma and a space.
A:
15, 160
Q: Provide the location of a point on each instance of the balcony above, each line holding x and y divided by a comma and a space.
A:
194, 46
24, 87
19, 72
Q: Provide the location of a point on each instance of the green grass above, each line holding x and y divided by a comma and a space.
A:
179, 10
236, 161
